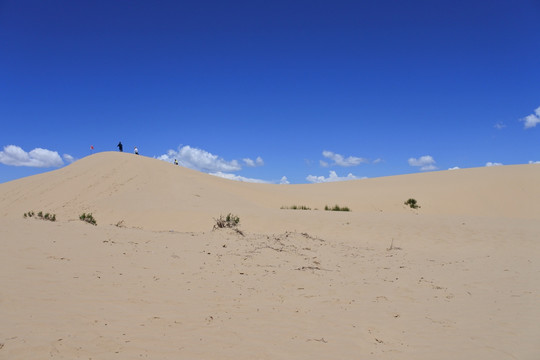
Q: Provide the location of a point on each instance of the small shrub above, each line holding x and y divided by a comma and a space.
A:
47, 216
336, 208
296, 207
88, 218
412, 203
230, 221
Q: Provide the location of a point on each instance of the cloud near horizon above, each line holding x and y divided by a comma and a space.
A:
425, 163
238, 178
332, 176
531, 120
235, 177
489, 163
200, 160
15, 156
253, 163
340, 160
204, 161
69, 159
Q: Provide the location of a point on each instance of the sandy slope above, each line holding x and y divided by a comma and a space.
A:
151, 194
460, 277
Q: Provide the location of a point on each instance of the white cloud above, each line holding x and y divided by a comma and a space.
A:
16, 156
534, 162
68, 158
489, 163
499, 125
253, 163
205, 161
238, 178
200, 160
532, 120
339, 160
323, 163
235, 177
454, 168
331, 178
425, 163
378, 160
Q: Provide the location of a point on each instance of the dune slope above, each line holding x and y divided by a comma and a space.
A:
152, 194
457, 278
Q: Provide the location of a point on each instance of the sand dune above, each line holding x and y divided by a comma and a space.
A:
152, 194
459, 277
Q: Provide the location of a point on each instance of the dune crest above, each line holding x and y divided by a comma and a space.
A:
152, 194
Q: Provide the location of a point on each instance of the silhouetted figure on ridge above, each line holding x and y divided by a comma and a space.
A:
120, 146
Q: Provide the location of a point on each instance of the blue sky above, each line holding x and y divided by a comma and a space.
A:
275, 91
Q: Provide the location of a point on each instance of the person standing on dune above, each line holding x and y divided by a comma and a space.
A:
136, 151
120, 146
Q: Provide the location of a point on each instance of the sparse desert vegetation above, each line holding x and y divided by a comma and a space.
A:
89, 218
230, 221
296, 207
40, 215
336, 208
412, 203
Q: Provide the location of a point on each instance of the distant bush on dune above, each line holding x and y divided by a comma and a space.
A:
412, 203
88, 218
296, 207
40, 215
336, 208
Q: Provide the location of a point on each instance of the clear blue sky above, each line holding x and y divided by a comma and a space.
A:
306, 90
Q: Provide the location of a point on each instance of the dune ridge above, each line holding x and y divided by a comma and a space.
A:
156, 195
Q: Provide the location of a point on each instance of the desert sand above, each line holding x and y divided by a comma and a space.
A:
458, 278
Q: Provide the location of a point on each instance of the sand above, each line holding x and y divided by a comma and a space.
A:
457, 278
